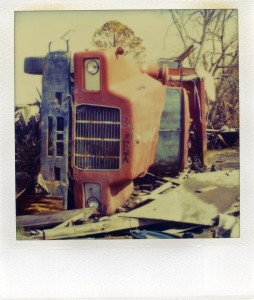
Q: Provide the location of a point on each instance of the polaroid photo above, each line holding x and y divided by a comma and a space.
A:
121, 132
126, 127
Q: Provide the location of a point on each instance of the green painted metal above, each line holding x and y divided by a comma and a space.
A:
168, 152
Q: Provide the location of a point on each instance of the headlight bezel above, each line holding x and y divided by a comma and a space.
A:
92, 200
92, 67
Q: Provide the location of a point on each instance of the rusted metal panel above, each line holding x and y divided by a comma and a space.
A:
55, 123
198, 200
201, 90
50, 219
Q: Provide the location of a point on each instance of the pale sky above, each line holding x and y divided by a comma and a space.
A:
34, 31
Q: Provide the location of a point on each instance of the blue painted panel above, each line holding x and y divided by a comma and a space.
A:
55, 123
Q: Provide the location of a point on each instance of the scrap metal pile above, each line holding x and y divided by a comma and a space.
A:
223, 138
197, 205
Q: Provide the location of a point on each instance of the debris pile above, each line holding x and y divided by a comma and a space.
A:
203, 205
223, 138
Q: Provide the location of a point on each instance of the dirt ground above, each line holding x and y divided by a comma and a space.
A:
224, 159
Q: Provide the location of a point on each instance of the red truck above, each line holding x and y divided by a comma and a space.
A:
122, 121
115, 121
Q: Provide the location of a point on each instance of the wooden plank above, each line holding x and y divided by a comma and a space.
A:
111, 224
154, 194
38, 203
40, 196
20, 193
45, 201
173, 180
46, 220
84, 216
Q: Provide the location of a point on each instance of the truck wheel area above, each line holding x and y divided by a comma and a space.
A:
34, 65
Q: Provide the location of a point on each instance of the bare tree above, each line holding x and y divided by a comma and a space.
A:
214, 33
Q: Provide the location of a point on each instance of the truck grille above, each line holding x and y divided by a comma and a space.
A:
97, 138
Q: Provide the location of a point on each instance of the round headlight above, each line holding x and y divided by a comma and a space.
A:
92, 202
92, 67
